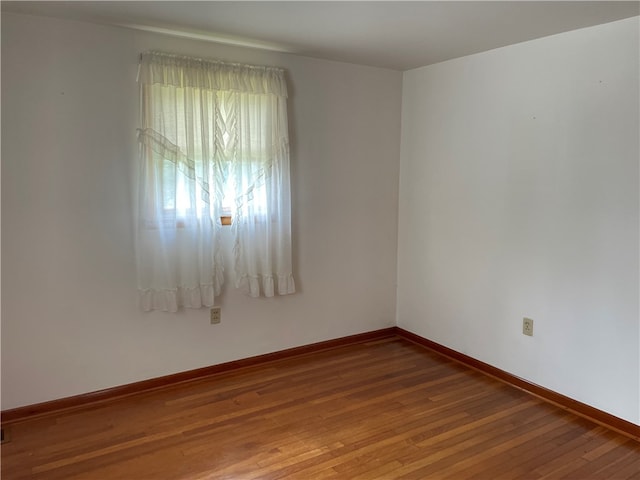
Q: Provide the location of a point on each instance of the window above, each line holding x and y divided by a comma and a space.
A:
213, 143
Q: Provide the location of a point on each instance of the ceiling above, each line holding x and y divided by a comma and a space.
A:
390, 34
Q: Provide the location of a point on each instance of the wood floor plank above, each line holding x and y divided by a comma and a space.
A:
379, 410
536, 451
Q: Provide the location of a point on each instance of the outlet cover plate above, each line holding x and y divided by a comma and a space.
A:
216, 315
527, 326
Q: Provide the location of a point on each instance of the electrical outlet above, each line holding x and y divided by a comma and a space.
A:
215, 315
527, 326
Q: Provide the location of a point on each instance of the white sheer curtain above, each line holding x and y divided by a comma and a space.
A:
213, 141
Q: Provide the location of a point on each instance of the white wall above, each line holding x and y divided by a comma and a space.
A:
519, 189
70, 319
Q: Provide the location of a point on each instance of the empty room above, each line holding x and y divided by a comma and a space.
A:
373, 240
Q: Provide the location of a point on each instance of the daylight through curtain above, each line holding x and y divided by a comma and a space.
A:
213, 141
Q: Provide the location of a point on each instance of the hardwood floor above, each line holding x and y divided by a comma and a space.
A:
380, 410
